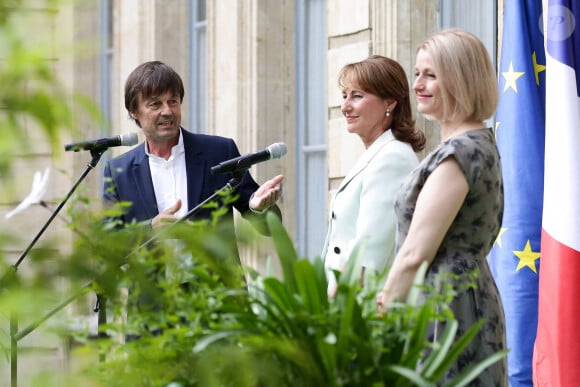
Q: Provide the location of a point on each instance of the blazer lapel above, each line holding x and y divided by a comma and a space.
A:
143, 183
195, 168
366, 158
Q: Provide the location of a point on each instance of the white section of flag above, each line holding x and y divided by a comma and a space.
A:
561, 214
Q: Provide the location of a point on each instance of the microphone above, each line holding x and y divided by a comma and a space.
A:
126, 139
274, 151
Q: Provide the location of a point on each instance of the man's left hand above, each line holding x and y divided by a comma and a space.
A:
267, 195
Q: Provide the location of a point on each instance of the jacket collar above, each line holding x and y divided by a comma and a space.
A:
366, 157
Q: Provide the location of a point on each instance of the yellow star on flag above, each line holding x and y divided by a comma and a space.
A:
527, 257
498, 238
510, 77
537, 68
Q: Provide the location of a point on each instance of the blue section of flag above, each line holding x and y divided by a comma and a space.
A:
563, 44
520, 131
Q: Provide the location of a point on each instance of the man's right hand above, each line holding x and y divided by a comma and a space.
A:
166, 217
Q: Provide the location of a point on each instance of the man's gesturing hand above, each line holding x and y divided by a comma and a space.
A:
267, 195
166, 217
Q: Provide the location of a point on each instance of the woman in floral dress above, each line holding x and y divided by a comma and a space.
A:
449, 209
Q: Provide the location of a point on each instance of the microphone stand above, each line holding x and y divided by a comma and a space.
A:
229, 186
96, 152
100, 307
15, 336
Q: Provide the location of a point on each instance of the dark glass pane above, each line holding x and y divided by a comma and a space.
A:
200, 10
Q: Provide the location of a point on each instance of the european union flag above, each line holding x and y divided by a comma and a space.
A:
520, 134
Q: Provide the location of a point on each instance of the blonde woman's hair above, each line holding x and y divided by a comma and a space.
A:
466, 75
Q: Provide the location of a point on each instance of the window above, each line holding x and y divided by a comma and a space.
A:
106, 58
478, 17
311, 126
198, 70
105, 96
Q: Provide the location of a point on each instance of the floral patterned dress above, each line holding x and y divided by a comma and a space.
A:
466, 245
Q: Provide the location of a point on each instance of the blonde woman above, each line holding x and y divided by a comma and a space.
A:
449, 210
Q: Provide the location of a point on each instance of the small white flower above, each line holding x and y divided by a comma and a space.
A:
39, 186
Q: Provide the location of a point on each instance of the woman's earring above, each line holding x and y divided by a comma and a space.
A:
388, 112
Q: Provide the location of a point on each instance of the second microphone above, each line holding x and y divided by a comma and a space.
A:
242, 163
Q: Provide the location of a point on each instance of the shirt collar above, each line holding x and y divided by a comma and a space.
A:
176, 151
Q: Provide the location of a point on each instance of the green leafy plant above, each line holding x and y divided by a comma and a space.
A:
281, 331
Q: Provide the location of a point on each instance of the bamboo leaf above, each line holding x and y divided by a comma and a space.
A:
208, 340
312, 291
352, 271
458, 347
281, 295
415, 344
411, 375
285, 249
439, 353
470, 373
415, 292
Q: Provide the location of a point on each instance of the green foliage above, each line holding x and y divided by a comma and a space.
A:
32, 95
222, 331
35, 107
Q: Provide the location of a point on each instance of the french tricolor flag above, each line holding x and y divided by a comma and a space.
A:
557, 347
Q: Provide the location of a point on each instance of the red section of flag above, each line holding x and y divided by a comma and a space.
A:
557, 347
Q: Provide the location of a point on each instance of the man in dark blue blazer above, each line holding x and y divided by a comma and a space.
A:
169, 174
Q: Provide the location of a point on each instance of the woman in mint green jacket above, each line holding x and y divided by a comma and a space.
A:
377, 108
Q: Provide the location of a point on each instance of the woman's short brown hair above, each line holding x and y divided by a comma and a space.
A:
386, 78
